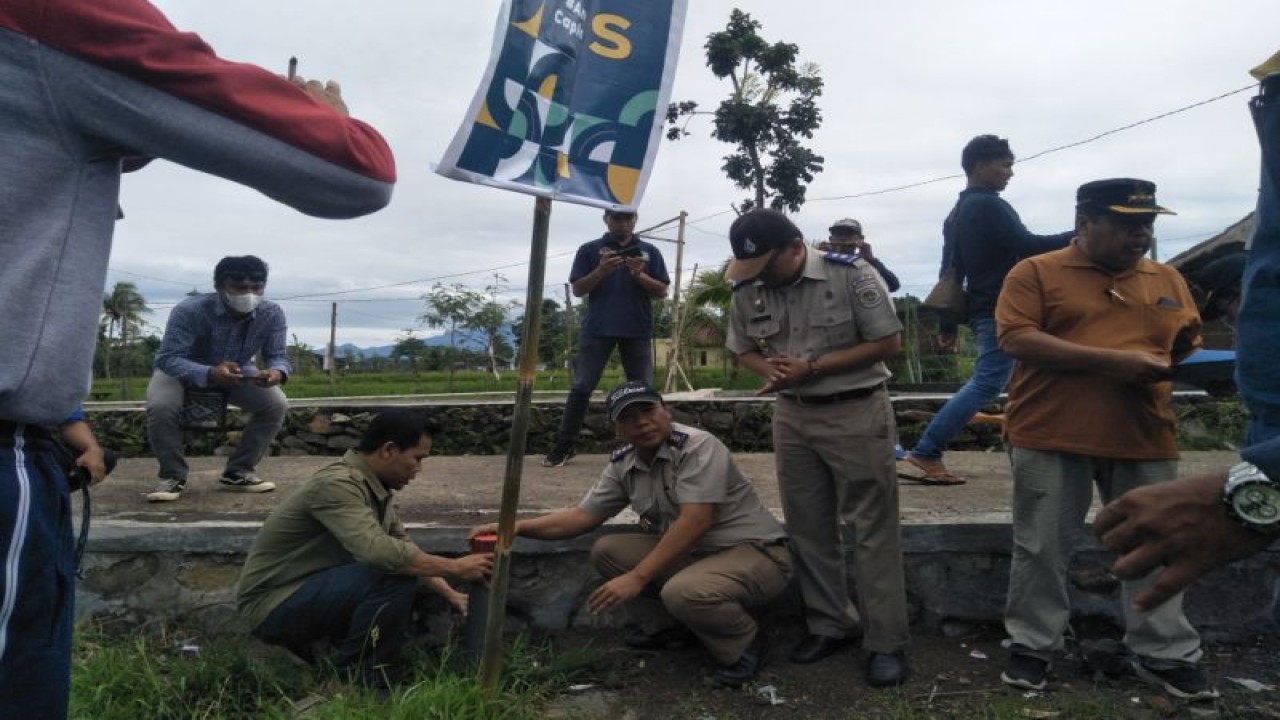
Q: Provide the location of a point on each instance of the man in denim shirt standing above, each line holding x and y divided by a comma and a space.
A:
620, 275
210, 341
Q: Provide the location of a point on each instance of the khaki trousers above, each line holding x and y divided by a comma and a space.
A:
1052, 492
836, 467
709, 594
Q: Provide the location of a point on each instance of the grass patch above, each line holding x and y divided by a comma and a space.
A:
351, 384
144, 675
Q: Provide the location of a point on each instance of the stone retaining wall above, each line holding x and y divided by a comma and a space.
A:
745, 425
142, 573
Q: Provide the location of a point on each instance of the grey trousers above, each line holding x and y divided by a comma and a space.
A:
1052, 492
266, 407
709, 594
836, 468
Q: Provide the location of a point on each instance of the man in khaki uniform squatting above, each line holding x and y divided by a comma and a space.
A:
818, 328
709, 553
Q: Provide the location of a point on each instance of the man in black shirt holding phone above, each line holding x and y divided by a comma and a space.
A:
620, 275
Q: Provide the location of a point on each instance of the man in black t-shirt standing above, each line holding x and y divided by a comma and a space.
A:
620, 275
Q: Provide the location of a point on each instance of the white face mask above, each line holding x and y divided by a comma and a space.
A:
242, 303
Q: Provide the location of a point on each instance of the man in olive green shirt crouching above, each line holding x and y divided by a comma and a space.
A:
333, 561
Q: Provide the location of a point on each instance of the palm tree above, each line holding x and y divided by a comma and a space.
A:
705, 315
711, 290
122, 311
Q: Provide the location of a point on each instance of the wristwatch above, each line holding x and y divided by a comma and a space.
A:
1253, 499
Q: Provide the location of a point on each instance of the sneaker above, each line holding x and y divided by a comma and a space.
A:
168, 490
248, 482
1026, 671
1185, 681
559, 455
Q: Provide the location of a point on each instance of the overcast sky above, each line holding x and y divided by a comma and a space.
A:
907, 84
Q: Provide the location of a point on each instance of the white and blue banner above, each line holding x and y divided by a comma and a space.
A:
573, 102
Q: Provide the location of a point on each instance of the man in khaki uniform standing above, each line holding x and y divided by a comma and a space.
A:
818, 328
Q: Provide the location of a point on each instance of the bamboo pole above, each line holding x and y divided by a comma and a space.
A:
673, 352
491, 659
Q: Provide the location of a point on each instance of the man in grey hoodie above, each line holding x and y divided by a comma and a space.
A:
88, 89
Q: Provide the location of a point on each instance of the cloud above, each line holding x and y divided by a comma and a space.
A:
906, 85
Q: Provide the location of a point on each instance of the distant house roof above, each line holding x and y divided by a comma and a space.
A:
1228, 242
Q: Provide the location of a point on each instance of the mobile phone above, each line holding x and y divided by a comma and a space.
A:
632, 251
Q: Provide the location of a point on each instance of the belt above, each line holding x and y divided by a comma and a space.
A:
31, 432
834, 397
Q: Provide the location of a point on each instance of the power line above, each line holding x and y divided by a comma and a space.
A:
1033, 156
1130, 126
421, 280
693, 223
149, 277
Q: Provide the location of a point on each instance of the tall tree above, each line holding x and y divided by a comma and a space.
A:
773, 107
490, 318
448, 307
412, 348
552, 334
302, 356
122, 317
457, 308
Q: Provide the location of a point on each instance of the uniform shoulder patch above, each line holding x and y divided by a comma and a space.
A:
678, 439
869, 292
621, 453
841, 258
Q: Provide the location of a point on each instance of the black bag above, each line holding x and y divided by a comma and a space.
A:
203, 409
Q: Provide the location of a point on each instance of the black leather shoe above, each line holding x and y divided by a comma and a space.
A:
675, 637
744, 670
815, 647
886, 669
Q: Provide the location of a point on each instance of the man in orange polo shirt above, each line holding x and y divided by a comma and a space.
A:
1095, 329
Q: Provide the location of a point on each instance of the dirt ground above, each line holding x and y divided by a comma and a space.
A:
953, 675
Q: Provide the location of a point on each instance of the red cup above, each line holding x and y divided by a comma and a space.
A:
484, 542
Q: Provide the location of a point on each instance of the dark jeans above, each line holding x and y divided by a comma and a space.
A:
37, 586
637, 363
1257, 342
365, 613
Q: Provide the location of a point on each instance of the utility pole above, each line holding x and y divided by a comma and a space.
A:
673, 352
124, 358
569, 328
330, 357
